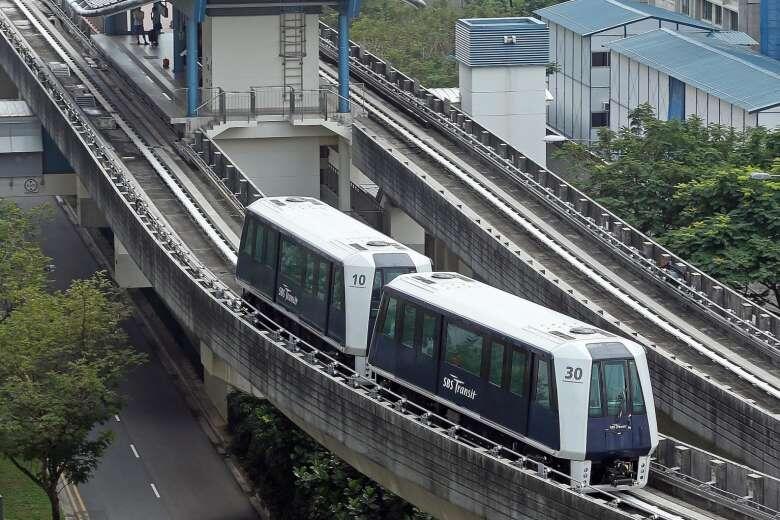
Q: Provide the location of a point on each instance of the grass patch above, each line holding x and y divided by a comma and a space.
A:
23, 500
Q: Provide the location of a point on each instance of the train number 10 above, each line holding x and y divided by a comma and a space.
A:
573, 374
359, 280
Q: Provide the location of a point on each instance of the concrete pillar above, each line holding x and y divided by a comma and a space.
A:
126, 272
402, 228
219, 379
345, 166
88, 212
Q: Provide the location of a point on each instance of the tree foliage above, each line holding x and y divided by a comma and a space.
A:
421, 42
296, 477
689, 185
62, 356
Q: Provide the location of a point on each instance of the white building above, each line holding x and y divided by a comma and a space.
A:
681, 75
733, 15
579, 30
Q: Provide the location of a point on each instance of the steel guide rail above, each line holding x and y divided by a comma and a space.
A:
577, 262
144, 211
610, 231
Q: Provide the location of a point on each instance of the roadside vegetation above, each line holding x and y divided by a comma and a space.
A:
421, 42
688, 185
296, 477
22, 499
62, 356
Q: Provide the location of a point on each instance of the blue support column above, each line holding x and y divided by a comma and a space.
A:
343, 61
192, 65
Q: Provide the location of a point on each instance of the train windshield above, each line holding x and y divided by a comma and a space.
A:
382, 277
615, 389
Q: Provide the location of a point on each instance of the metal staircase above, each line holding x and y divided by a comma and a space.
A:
292, 49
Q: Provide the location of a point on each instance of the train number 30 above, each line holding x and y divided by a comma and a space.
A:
573, 374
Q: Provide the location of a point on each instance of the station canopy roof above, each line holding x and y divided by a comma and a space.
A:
729, 72
244, 7
586, 17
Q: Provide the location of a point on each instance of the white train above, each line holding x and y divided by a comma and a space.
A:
320, 267
576, 393
565, 389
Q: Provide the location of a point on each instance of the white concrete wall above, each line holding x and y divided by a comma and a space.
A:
769, 118
232, 57
280, 163
569, 111
510, 102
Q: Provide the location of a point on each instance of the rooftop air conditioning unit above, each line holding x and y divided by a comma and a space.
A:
510, 39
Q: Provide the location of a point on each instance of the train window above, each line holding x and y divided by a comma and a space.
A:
615, 387
464, 349
322, 280
517, 372
261, 232
293, 258
388, 327
391, 273
496, 363
310, 275
637, 399
376, 295
407, 330
248, 236
428, 337
594, 402
337, 292
542, 389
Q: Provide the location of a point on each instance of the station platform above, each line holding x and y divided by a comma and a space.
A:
143, 64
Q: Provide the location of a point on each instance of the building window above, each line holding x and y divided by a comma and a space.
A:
685, 6
598, 119
734, 18
718, 15
707, 15
599, 59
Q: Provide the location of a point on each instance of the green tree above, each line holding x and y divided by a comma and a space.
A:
22, 264
729, 227
62, 356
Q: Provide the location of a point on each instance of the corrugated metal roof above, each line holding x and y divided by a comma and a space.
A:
731, 73
586, 17
733, 37
492, 42
14, 108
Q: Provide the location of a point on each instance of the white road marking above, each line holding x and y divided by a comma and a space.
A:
135, 452
166, 96
154, 488
117, 418
150, 79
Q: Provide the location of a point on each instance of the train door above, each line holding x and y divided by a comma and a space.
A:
417, 348
508, 389
543, 424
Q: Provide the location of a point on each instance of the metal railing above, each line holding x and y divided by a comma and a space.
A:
284, 102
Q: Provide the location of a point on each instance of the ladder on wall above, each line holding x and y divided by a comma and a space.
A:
292, 49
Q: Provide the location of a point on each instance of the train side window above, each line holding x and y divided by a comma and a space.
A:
388, 326
337, 291
615, 387
594, 401
517, 372
637, 399
261, 232
293, 258
429, 333
407, 330
310, 276
248, 236
542, 389
376, 295
464, 349
269, 250
322, 280
496, 363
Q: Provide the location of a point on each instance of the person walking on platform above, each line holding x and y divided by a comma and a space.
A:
158, 11
137, 21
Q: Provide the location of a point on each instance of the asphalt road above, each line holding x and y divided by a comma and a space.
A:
161, 465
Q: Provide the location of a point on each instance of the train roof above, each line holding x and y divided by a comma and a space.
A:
498, 310
325, 227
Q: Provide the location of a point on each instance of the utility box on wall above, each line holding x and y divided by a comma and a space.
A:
502, 65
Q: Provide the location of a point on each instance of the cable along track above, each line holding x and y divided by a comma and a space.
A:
563, 252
